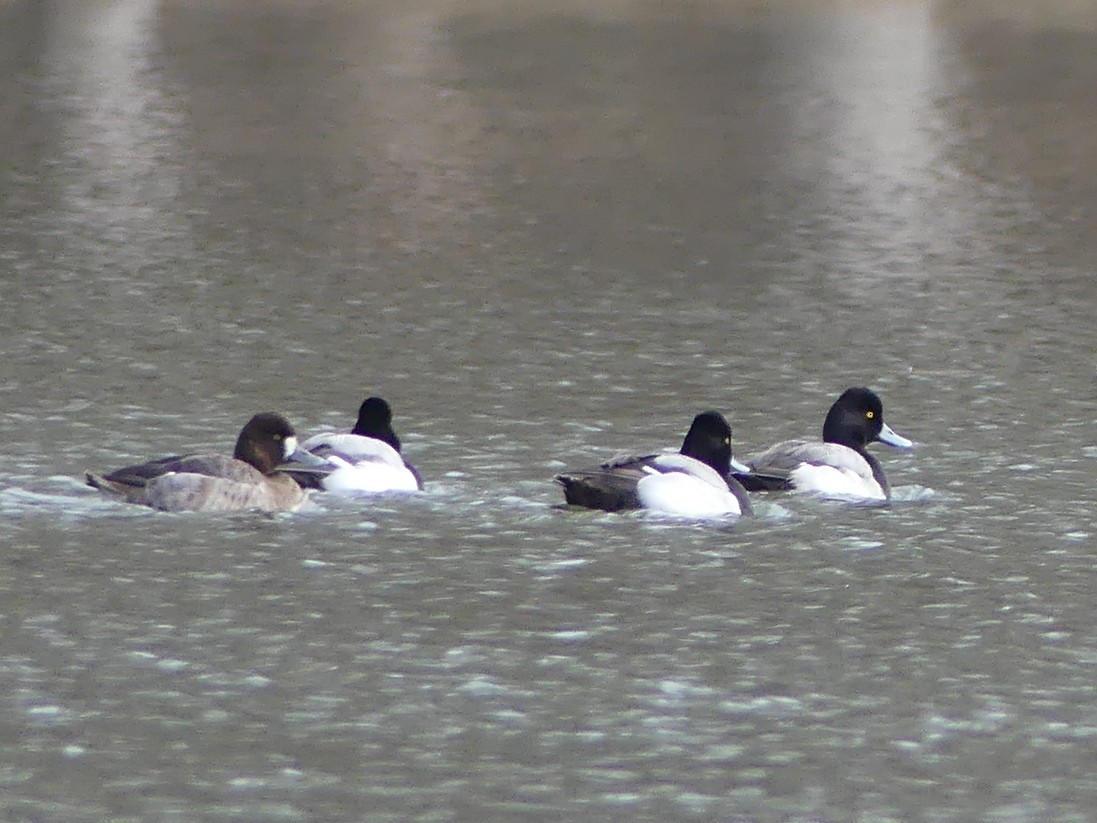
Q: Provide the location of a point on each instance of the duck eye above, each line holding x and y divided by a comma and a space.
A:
870, 414
279, 437
727, 441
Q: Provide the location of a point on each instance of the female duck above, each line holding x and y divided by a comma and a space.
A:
839, 466
215, 482
366, 460
695, 482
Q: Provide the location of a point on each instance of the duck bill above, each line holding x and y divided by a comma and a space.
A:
891, 438
301, 460
739, 468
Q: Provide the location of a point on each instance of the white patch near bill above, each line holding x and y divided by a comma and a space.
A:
289, 446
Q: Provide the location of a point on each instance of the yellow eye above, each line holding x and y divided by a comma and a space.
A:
279, 437
727, 441
870, 414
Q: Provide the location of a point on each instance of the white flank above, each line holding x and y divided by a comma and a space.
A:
683, 494
366, 465
831, 481
369, 478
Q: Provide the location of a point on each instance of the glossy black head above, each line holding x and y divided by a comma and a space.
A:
857, 419
709, 440
267, 440
375, 420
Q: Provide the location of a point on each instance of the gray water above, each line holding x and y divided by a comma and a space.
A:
547, 235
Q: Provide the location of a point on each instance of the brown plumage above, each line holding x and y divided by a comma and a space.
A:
214, 482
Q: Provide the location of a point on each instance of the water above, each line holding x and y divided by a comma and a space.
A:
546, 237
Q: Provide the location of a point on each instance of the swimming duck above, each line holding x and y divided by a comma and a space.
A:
215, 482
694, 482
366, 460
838, 466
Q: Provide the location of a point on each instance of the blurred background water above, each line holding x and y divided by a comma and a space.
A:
547, 233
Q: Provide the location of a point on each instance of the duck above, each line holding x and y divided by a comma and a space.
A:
366, 460
838, 466
215, 482
695, 482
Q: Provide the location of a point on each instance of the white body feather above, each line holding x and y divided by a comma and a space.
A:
826, 469
676, 484
365, 465
835, 481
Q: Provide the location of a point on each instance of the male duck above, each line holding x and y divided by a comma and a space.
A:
838, 466
366, 460
695, 482
214, 482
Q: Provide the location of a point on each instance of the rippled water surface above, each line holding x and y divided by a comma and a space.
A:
547, 234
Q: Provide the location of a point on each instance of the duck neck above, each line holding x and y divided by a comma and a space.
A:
877, 471
385, 436
247, 451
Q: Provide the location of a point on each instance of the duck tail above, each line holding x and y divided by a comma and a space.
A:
98, 481
132, 493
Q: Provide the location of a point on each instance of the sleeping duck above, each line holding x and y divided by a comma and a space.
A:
365, 460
